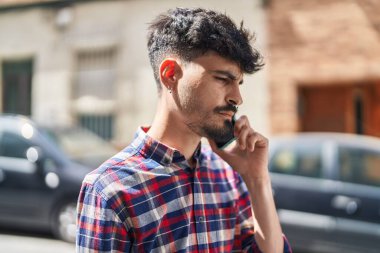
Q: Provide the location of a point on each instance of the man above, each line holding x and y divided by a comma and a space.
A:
167, 192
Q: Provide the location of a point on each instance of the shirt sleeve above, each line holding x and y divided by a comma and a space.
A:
244, 230
99, 228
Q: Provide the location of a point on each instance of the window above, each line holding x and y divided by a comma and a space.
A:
94, 91
96, 74
12, 145
301, 161
102, 125
359, 166
17, 86
358, 108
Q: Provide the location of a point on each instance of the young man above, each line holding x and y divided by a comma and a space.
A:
167, 192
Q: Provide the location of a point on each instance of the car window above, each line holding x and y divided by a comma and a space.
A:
301, 160
12, 145
359, 166
81, 145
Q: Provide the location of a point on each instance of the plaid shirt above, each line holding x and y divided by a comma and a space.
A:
148, 199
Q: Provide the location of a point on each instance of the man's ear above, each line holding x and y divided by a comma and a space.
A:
169, 72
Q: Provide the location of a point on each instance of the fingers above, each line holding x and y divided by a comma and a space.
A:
243, 132
243, 136
252, 138
247, 138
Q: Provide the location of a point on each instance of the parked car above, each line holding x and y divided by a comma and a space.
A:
81, 145
327, 191
39, 182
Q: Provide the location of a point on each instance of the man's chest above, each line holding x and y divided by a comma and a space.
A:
184, 212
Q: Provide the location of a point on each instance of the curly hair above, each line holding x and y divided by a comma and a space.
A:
190, 33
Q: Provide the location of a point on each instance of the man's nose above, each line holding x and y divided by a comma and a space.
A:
234, 97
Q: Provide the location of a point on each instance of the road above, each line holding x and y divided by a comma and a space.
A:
32, 243
23, 242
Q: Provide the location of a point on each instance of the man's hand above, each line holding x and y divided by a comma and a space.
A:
249, 156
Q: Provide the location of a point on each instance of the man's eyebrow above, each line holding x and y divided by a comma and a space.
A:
227, 74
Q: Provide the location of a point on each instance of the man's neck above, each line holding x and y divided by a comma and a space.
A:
172, 132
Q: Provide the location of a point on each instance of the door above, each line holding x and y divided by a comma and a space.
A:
324, 108
351, 108
357, 201
302, 192
24, 196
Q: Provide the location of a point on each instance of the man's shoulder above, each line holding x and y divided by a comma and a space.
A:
119, 173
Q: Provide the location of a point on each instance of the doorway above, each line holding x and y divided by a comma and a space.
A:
340, 108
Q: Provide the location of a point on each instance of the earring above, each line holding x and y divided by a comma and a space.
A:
170, 90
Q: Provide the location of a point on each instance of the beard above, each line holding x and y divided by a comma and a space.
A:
209, 124
219, 133
222, 133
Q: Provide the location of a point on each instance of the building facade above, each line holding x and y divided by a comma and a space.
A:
86, 62
324, 65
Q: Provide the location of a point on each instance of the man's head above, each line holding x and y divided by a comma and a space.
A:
190, 33
200, 56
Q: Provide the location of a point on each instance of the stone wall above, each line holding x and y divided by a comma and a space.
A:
53, 36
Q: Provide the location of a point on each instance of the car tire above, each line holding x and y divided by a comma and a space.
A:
64, 223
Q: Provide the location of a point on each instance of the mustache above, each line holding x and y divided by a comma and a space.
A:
229, 107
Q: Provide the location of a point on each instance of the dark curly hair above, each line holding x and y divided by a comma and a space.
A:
190, 33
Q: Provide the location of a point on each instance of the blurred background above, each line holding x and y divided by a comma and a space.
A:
76, 83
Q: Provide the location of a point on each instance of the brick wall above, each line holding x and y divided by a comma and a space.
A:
319, 42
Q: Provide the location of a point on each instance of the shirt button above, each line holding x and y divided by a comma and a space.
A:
200, 219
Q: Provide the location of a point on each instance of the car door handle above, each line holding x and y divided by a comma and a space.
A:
348, 204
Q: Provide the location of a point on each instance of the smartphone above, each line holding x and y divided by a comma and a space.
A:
231, 137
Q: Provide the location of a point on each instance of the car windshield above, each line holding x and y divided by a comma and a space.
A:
81, 145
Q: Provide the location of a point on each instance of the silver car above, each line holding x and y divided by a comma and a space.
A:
327, 191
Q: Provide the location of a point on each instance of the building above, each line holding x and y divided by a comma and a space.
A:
86, 62
324, 65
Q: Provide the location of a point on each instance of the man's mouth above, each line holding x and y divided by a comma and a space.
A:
227, 111
227, 114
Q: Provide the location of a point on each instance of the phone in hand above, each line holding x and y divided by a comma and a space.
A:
230, 139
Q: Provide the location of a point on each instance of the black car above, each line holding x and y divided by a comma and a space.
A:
327, 191
39, 182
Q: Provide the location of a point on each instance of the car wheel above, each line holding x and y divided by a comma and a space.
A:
64, 225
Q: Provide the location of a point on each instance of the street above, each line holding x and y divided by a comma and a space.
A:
31, 243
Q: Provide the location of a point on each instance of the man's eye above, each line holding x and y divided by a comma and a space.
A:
222, 79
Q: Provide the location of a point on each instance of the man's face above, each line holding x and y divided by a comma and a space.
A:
208, 95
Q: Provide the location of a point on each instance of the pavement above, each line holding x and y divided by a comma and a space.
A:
13, 243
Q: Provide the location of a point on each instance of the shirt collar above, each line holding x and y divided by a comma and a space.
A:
157, 151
